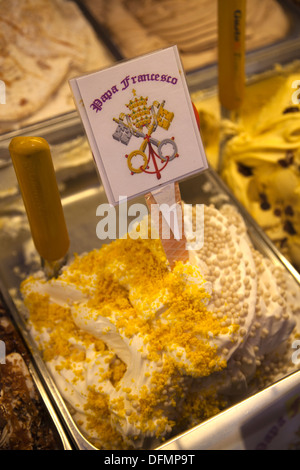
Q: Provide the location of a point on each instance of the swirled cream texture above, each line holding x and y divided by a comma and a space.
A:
141, 352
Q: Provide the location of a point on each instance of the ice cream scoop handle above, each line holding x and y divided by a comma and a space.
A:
231, 52
35, 173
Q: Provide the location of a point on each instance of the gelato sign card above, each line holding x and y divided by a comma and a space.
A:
140, 123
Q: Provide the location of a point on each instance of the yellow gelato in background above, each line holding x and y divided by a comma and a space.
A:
262, 158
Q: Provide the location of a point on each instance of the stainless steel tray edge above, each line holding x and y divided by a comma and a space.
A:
46, 386
256, 63
232, 417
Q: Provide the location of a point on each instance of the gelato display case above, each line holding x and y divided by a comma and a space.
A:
111, 31
133, 28
226, 375
81, 193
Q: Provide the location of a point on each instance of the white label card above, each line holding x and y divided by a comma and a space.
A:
140, 124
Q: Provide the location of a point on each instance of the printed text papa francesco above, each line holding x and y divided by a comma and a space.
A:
98, 103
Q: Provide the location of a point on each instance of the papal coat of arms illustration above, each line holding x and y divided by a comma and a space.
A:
141, 122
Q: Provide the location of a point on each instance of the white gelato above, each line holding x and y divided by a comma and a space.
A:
140, 352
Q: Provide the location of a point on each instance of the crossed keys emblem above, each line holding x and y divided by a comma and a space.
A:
133, 124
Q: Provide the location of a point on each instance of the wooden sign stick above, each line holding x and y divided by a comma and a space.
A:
165, 207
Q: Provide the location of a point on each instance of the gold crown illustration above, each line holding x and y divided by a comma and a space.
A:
140, 111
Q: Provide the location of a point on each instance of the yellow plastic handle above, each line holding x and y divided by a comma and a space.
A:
34, 169
231, 52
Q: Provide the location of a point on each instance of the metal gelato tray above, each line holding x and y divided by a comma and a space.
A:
82, 193
261, 61
268, 420
47, 418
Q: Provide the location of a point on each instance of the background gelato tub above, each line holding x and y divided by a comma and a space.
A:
81, 194
135, 27
40, 52
261, 159
28, 420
